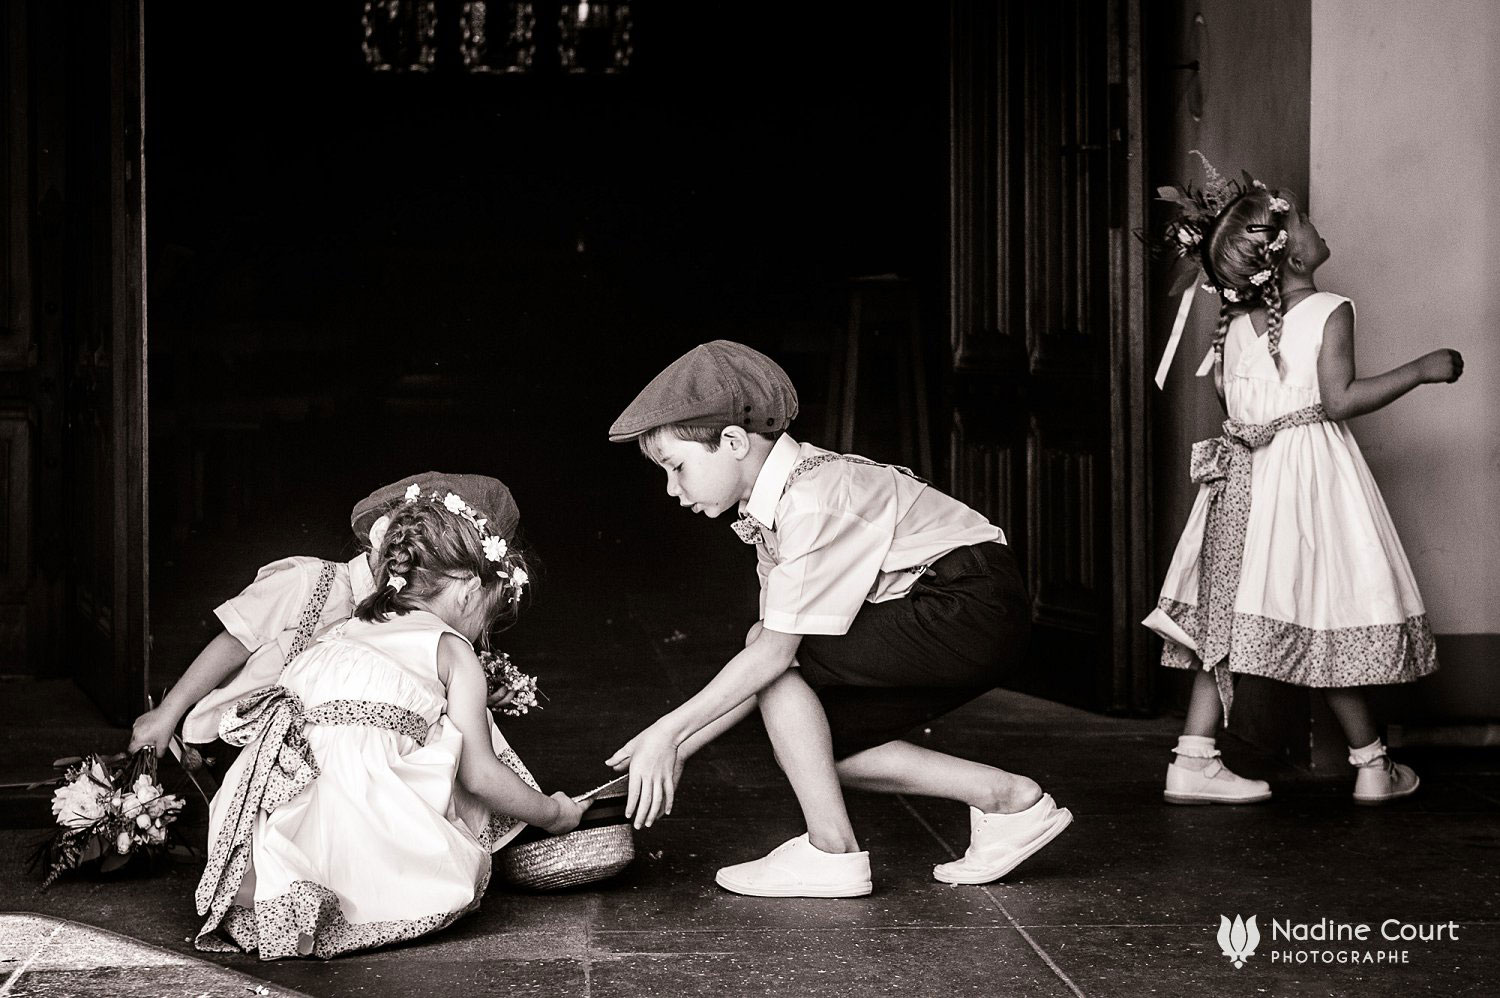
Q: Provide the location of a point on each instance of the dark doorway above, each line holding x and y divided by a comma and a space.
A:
358, 275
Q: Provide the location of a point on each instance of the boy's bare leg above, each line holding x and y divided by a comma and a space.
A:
903, 768
799, 733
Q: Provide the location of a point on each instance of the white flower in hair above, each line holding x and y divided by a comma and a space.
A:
453, 503
1210, 288
1281, 204
520, 577
494, 548
1260, 278
1259, 185
1278, 242
413, 491
1230, 294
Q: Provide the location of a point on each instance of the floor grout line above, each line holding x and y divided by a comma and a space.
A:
996, 902
10, 981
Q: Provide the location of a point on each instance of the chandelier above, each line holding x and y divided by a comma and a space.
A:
497, 36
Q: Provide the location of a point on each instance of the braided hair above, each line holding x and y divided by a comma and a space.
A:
1242, 257
426, 548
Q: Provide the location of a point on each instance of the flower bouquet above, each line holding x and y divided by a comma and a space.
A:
109, 810
501, 673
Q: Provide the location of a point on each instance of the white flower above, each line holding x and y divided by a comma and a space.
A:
520, 577
1259, 185
1210, 289
494, 548
123, 843
146, 790
76, 805
1230, 294
413, 491
1280, 204
143, 820
1278, 242
1260, 277
453, 503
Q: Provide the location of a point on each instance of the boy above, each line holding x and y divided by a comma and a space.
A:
275, 617
884, 603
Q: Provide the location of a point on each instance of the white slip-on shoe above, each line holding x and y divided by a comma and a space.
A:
799, 869
998, 843
1213, 784
1383, 780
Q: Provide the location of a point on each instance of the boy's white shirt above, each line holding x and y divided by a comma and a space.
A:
846, 533
264, 617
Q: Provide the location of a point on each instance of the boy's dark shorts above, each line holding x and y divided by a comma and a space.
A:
955, 635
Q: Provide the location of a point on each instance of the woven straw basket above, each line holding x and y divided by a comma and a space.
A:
560, 861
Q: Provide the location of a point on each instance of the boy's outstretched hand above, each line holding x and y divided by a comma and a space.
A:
655, 766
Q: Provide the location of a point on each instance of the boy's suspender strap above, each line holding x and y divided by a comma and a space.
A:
312, 611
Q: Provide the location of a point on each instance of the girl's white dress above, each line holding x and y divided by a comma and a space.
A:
1326, 596
342, 825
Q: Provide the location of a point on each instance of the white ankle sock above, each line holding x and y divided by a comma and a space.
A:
1195, 751
1367, 756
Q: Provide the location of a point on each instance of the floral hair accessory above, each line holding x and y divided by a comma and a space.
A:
496, 549
1186, 239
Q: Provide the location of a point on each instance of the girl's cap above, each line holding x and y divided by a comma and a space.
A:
488, 496
722, 383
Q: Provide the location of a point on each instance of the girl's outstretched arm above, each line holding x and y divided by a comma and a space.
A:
215, 663
1346, 395
483, 775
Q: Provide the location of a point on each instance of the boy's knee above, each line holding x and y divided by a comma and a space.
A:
753, 633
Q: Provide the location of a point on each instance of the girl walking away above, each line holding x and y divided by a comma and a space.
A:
1289, 566
359, 811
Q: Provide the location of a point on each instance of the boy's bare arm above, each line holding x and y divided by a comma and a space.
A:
214, 664
653, 754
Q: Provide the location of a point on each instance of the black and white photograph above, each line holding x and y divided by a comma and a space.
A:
624, 498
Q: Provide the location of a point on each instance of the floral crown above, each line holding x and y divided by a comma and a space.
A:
1187, 236
496, 549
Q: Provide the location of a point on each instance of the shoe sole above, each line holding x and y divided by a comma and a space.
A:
1387, 798
855, 891
1172, 798
1063, 820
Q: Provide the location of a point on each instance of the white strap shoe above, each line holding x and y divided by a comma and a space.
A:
1213, 784
799, 869
998, 843
1379, 780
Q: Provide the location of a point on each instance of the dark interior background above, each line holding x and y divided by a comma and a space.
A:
358, 275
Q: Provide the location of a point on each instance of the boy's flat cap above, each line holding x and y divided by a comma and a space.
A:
489, 496
722, 383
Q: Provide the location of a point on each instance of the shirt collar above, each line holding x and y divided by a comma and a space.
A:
361, 581
771, 482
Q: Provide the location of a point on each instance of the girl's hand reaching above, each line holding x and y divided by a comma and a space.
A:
1441, 366
502, 696
154, 728
569, 814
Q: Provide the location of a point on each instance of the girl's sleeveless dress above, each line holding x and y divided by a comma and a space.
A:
342, 825
1326, 596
